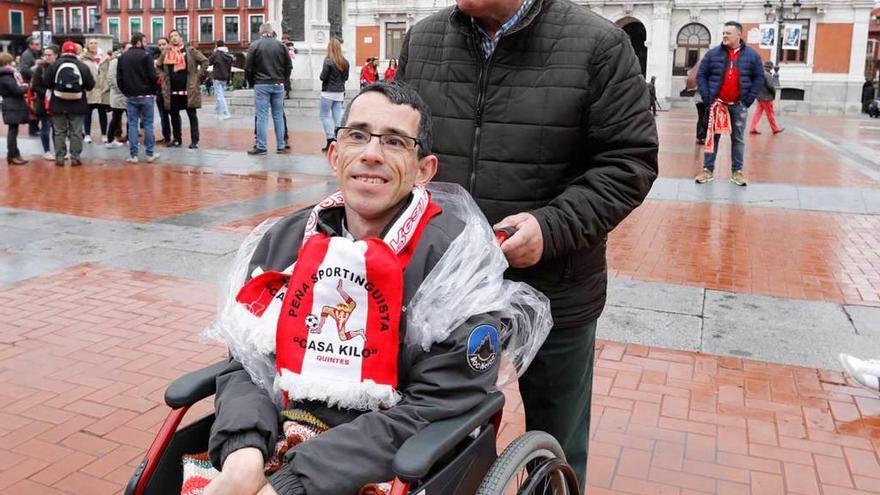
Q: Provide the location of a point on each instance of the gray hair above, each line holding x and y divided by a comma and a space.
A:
403, 94
267, 29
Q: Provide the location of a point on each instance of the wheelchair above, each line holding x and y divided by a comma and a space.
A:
456, 456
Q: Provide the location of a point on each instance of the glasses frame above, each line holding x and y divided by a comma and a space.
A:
417, 146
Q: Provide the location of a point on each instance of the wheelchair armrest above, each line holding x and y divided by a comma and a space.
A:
417, 455
193, 387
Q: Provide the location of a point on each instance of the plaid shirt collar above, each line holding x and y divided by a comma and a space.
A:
489, 43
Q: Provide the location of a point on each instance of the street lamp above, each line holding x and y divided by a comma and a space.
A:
39, 24
779, 12
97, 17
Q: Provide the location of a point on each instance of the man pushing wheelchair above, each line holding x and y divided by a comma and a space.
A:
355, 324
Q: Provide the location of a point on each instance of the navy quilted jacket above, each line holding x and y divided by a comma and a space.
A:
555, 123
711, 73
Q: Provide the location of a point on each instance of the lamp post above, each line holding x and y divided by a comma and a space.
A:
39, 23
779, 12
97, 26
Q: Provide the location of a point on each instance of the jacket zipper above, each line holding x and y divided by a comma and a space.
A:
482, 83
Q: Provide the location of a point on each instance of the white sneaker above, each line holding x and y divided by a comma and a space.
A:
153, 158
116, 144
49, 156
132, 159
87, 139
865, 372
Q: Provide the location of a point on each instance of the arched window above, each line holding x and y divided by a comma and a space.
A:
692, 43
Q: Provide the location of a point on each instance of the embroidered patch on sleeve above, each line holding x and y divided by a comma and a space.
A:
482, 348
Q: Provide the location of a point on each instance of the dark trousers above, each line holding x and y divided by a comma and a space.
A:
33, 128
114, 130
102, 118
45, 132
12, 142
164, 117
702, 121
557, 390
178, 103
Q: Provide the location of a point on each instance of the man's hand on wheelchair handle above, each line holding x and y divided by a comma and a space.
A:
524, 248
242, 475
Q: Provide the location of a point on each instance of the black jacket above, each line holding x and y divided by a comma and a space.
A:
768, 91
136, 73
28, 61
222, 66
57, 105
333, 79
268, 62
14, 108
555, 123
435, 385
38, 86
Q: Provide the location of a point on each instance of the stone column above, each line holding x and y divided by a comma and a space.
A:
659, 53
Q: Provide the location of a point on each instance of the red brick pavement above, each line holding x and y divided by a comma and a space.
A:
86, 353
142, 193
770, 251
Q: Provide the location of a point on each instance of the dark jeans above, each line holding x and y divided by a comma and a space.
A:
140, 109
702, 121
178, 103
102, 118
114, 130
164, 118
12, 142
45, 132
557, 390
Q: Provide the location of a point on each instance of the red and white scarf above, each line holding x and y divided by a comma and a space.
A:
338, 312
719, 123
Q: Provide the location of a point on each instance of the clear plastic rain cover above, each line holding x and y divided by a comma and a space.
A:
467, 281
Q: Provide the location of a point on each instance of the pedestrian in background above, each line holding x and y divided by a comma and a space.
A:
41, 103
268, 66
164, 115
765, 103
691, 85
652, 93
333, 77
221, 61
369, 72
95, 97
729, 78
136, 78
495, 73
69, 79
391, 71
25, 64
183, 69
117, 101
15, 111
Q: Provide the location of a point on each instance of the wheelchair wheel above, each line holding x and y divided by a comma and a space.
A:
533, 464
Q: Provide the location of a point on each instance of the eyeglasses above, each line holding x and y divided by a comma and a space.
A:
400, 143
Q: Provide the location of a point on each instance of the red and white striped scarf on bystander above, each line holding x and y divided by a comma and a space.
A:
719, 123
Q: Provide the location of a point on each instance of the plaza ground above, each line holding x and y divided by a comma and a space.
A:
715, 368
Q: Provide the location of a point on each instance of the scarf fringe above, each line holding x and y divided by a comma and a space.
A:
367, 395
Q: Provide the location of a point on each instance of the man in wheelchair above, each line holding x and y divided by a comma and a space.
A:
334, 283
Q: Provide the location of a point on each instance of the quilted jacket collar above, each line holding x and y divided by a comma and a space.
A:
462, 21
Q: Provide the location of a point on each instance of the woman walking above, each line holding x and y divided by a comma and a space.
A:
15, 112
333, 77
182, 67
370, 72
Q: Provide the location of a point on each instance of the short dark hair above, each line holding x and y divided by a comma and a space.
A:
137, 38
163, 38
738, 26
50, 47
401, 93
220, 43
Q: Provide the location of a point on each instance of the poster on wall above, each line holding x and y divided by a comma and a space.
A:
768, 36
791, 37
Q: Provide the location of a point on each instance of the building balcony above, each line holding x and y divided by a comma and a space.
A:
112, 10
137, 10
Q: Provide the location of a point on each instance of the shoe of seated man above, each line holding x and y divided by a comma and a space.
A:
739, 178
705, 176
866, 372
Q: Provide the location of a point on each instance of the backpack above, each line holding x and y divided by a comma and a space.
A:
68, 82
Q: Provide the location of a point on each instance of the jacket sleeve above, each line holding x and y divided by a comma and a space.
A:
703, 80
620, 161
202, 60
49, 76
150, 68
325, 71
245, 415
249, 64
88, 80
120, 76
402, 58
439, 384
288, 65
757, 71
27, 64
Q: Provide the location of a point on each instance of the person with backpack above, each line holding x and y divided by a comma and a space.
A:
765, 103
15, 112
69, 79
40, 100
136, 77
